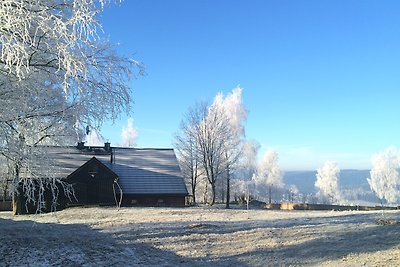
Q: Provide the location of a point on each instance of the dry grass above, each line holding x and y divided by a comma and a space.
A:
199, 236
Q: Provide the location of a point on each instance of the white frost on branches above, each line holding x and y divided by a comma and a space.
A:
233, 115
210, 142
129, 134
62, 28
384, 176
268, 171
248, 159
220, 135
327, 182
269, 174
233, 109
55, 44
56, 72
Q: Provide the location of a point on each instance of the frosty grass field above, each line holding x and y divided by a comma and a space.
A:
199, 236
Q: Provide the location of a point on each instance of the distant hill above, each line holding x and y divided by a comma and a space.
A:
305, 180
353, 184
354, 178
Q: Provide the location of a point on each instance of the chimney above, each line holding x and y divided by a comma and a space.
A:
107, 146
81, 145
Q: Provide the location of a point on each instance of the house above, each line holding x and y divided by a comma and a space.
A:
109, 175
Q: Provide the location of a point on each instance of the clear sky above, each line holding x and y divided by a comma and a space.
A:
321, 78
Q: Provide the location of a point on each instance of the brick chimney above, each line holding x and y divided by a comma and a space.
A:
107, 146
81, 145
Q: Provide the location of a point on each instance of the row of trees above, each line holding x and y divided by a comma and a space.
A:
215, 156
56, 75
217, 161
384, 178
214, 153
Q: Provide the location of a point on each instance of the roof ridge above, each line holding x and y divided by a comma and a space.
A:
143, 148
118, 147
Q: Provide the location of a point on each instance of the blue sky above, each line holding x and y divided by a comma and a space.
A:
321, 78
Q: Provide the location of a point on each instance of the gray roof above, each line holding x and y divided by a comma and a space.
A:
145, 171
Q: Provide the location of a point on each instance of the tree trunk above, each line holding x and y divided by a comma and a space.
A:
193, 191
194, 181
5, 192
16, 205
222, 191
194, 196
228, 179
16, 200
247, 197
269, 195
205, 193
213, 194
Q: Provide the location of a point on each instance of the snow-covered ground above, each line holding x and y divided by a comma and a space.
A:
199, 236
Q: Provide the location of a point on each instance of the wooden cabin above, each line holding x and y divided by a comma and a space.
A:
109, 175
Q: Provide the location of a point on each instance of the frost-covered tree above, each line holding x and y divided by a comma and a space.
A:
384, 176
292, 192
233, 111
327, 182
56, 73
129, 134
31, 114
248, 160
243, 190
246, 169
269, 174
212, 136
4, 179
187, 148
212, 133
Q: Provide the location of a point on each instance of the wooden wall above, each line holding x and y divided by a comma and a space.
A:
154, 200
